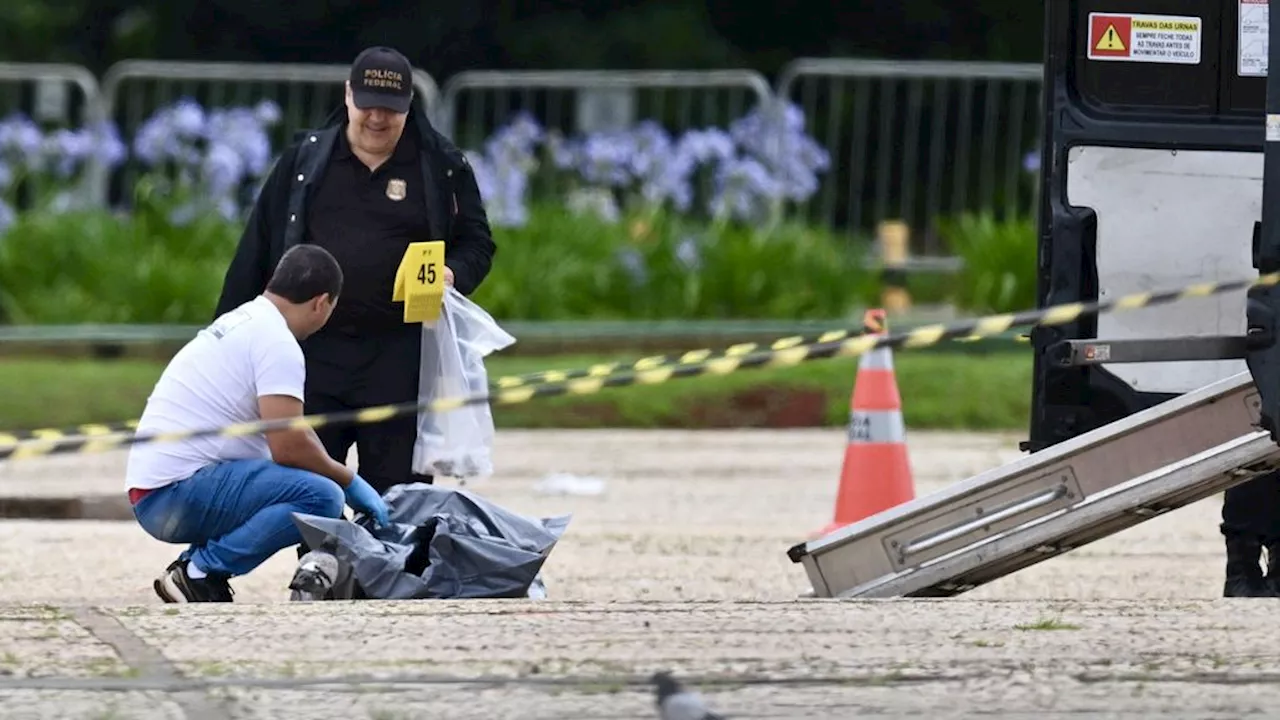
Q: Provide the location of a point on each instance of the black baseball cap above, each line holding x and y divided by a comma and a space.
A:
383, 78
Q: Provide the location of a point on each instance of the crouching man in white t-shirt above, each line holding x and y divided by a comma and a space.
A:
231, 498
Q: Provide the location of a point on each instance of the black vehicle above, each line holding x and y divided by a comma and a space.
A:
1152, 179
1158, 172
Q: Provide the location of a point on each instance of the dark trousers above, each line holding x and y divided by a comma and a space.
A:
349, 372
1252, 510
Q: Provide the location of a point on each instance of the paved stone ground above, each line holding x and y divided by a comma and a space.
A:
679, 564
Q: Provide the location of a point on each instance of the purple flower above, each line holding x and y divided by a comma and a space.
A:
171, 135
662, 167
223, 169
762, 160
228, 208
606, 159
512, 183
1031, 162
108, 148
267, 113
688, 254
20, 143
483, 173
502, 170
187, 118
645, 155
707, 146
241, 130
515, 142
502, 189
594, 201
650, 147
153, 144
7, 216
564, 153
219, 152
65, 150
523, 132
744, 190
670, 182
774, 135
633, 265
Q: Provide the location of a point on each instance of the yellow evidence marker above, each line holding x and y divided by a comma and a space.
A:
420, 282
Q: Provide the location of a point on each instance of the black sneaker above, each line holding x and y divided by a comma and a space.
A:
175, 586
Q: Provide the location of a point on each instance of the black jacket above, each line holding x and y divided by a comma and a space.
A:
277, 221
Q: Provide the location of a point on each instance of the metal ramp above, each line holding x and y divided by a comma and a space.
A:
1050, 502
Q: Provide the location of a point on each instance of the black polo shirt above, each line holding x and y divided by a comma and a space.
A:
367, 220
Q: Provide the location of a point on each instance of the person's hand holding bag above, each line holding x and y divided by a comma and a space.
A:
362, 497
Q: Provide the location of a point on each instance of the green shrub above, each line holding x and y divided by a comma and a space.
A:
92, 266
609, 241
999, 273
562, 265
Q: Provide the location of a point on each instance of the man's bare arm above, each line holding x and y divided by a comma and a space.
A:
299, 448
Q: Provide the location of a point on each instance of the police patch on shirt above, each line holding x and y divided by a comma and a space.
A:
396, 189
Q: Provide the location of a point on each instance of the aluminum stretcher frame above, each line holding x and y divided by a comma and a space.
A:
1078, 491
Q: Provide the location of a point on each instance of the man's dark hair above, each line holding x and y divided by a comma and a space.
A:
305, 272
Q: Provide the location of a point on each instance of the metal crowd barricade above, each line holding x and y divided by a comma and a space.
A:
65, 95
49, 94
132, 90
910, 141
476, 104
918, 141
571, 100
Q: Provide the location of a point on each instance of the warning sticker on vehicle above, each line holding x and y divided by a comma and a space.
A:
1253, 38
1128, 37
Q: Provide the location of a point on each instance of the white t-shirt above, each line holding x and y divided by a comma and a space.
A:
213, 381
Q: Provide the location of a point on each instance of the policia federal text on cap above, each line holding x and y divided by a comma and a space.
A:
364, 189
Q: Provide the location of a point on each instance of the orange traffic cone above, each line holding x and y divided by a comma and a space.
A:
876, 474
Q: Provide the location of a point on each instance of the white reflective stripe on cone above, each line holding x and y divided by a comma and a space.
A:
878, 359
876, 426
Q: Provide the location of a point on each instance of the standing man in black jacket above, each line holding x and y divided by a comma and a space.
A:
374, 179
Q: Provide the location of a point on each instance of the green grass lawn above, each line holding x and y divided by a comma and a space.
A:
939, 390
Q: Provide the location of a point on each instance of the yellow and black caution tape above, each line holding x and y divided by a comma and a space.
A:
541, 377
784, 357
92, 429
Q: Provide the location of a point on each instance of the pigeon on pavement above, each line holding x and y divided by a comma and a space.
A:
676, 703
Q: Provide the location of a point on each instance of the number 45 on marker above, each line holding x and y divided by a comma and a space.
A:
420, 282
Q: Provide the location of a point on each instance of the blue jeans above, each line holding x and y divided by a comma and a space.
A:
236, 514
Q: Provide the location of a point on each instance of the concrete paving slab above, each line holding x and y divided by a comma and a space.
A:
680, 563
950, 657
88, 705
683, 516
527, 455
44, 641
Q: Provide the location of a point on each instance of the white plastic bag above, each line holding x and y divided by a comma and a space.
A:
457, 443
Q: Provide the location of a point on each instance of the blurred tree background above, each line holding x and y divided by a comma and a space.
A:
446, 38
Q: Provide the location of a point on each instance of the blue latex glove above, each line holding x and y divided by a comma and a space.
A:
361, 496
